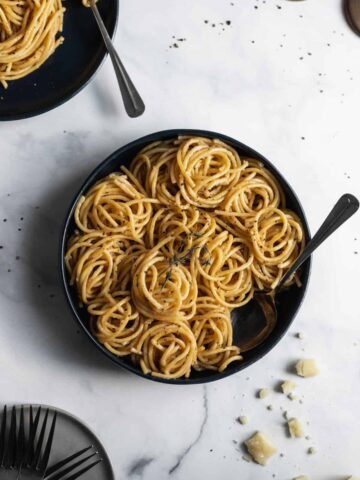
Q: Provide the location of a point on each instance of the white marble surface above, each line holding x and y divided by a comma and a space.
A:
264, 95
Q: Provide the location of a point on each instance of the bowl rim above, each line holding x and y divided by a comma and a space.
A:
90, 180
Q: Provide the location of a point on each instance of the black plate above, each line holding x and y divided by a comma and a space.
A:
68, 70
71, 435
289, 301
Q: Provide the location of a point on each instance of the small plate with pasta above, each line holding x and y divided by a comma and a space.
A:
49, 50
167, 239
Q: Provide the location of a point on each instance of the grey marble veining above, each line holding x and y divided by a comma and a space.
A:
286, 81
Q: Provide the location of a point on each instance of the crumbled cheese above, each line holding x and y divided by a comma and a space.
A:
243, 420
295, 428
353, 478
311, 451
260, 448
302, 477
288, 386
306, 368
264, 392
300, 336
291, 396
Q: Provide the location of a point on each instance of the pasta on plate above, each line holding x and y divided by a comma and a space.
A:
163, 251
30, 32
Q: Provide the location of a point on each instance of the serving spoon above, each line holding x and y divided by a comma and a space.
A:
133, 103
254, 322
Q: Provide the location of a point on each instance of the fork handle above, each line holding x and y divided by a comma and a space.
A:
344, 208
133, 103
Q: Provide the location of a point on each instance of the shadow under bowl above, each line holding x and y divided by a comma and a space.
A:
289, 301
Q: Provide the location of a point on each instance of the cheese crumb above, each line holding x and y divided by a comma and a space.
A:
288, 386
353, 478
260, 448
295, 428
311, 451
291, 396
263, 393
306, 368
243, 420
300, 336
302, 477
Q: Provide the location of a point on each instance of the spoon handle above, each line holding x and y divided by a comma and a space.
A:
133, 103
344, 208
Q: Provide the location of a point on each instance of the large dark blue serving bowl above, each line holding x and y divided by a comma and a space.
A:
68, 70
289, 301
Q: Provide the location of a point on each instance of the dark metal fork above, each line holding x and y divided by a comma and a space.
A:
19, 451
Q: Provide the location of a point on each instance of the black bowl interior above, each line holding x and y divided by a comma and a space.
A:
68, 70
289, 301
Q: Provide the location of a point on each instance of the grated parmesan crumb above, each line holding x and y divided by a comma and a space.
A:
260, 448
295, 428
243, 419
291, 396
311, 451
263, 393
288, 386
307, 368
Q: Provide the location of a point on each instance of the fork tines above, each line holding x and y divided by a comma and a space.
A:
30, 448
21, 450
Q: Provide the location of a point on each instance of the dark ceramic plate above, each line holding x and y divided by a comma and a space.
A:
289, 301
71, 435
68, 70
